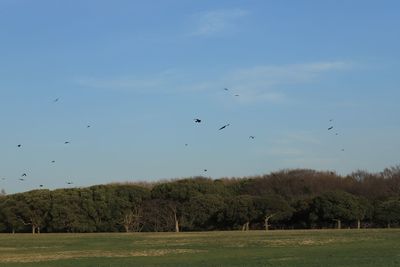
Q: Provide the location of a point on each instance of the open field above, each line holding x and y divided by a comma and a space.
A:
255, 248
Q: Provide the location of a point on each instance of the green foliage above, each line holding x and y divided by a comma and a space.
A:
273, 206
285, 199
237, 211
388, 211
338, 205
200, 212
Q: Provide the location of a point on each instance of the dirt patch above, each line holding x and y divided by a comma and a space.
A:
8, 249
38, 257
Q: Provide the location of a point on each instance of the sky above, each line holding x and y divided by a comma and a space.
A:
139, 73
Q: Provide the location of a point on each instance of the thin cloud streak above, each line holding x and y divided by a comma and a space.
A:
255, 84
215, 22
302, 137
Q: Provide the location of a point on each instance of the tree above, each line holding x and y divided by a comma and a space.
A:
132, 220
238, 212
363, 209
34, 208
200, 212
388, 211
67, 214
126, 205
336, 206
157, 216
272, 207
9, 214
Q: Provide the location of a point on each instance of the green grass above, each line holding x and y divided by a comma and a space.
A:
358, 248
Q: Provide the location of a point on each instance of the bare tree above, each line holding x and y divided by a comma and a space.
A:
132, 220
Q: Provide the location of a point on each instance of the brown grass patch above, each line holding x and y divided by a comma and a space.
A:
51, 256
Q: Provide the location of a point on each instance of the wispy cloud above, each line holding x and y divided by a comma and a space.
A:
214, 22
146, 84
287, 152
254, 84
299, 137
267, 76
265, 83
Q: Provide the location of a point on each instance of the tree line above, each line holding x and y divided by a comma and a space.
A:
287, 199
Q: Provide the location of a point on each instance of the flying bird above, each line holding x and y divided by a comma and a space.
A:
223, 127
19, 145
252, 137
205, 170
3, 179
197, 120
226, 89
23, 175
53, 161
236, 95
69, 182
41, 185
342, 149
186, 144
56, 100
88, 126
66, 142
331, 120
21, 179
330, 128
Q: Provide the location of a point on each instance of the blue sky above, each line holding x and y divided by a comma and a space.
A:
139, 72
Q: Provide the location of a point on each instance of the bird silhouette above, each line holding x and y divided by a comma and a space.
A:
21, 179
252, 137
3, 179
205, 170
223, 127
53, 161
197, 120
41, 185
88, 126
226, 89
23, 175
56, 100
186, 144
66, 142
236, 95
19, 145
330, 128
69, 182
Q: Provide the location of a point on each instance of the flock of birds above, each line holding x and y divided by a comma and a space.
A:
196, 120
24, 175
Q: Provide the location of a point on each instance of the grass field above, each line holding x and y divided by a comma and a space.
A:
255, 248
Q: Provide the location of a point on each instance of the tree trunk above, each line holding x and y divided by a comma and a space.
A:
176, 223
388, 225
33, 229
245, 226
267, 220
126, 228
38, 230
339, 223
13, 231
358, 224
